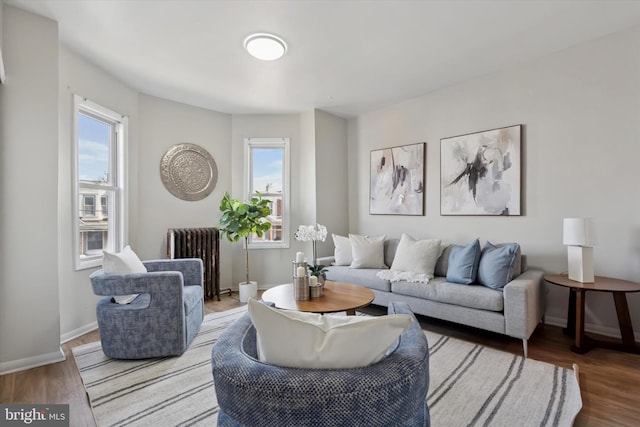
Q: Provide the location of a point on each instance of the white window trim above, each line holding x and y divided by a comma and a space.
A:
286, 211
120, 216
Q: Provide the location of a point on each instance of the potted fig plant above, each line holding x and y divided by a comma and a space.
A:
241, 219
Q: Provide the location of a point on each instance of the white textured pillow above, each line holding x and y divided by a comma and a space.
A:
323, 342
367, 252
124, 262
342, 253
415, 260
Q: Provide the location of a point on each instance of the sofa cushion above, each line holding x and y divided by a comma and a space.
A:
497, 265
418, 256
463, 263
367, 252
518, 264
438, 289
390, 248
442, 265
415, 260
364, 277
342, 251
323, 342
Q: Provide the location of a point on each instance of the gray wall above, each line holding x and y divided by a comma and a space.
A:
163, 124
331, 169
581, 146
28, 192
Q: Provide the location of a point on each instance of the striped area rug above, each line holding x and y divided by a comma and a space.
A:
470, 385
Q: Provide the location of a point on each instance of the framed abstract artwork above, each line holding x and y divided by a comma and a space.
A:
397, 180
480, 173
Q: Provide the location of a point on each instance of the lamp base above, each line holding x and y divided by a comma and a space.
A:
580, 264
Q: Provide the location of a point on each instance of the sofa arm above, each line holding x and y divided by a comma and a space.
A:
326, 260
191, 268
523, 304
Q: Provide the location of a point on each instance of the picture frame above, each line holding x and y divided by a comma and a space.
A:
481, 173
397, 180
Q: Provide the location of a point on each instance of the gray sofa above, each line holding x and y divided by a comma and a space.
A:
516, 311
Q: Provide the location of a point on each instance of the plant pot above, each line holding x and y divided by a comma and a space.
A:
248, 290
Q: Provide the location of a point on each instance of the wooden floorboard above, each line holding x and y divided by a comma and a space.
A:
609, 380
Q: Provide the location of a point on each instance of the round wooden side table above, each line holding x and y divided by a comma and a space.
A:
576, 311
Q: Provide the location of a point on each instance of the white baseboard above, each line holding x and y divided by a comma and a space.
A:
31, 362
68, 336
590, 327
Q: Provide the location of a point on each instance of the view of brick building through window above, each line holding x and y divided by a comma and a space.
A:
267, 162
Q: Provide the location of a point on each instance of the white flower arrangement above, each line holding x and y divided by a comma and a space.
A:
313, 233
307, 233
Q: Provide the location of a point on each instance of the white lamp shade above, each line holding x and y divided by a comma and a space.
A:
579, 232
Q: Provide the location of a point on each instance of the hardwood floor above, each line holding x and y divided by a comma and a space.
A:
609, 380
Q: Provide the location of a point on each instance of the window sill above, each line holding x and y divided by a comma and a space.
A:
279, 245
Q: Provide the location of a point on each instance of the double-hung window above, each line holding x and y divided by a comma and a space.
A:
267, 172
98, 221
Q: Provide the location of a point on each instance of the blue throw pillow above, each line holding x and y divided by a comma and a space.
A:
497, 265
463, 263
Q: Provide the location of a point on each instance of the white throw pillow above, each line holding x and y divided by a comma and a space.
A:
342, 252
314, 341
124, 262
415, 260
367, 252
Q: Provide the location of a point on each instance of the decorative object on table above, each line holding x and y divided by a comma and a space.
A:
579, 235
480, 173
188, 172
316, 288
240, 220
313, 233
397, 180
300, 279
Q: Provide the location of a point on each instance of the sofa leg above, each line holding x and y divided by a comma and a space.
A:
524, 347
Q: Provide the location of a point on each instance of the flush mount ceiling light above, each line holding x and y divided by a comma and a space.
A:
265, 46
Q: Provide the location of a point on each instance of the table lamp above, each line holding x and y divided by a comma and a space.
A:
580, 237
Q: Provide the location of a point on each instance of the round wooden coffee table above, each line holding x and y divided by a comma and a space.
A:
337, 296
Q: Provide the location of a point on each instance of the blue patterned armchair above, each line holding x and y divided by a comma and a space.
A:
162, 320
391, 392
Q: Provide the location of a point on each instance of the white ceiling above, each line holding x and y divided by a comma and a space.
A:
345, 57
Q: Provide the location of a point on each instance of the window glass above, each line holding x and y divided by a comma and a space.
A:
94, 138
268, 174
89, 208
267, 169
99, 140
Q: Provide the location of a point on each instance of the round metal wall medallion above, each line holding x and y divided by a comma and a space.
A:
189, 172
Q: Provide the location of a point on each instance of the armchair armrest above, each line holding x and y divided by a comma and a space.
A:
523, 304
161, 285
191, 268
